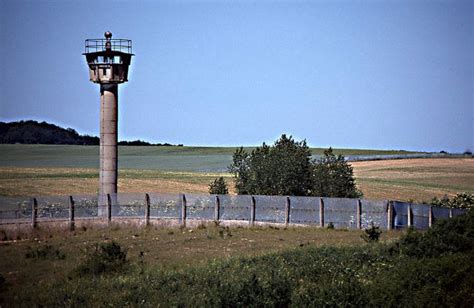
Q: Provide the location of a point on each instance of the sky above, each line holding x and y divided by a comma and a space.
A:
351, 74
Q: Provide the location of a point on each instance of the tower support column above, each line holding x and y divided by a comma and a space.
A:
108, 143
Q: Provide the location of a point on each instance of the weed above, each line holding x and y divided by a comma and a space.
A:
330, 226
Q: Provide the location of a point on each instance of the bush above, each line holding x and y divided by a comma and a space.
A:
103, 258
461, 200
371, 234
218, 187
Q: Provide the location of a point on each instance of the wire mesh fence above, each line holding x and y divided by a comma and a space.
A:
340, 212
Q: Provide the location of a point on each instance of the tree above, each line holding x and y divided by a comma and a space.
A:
218, 187
282, 169
334, 177
286, 168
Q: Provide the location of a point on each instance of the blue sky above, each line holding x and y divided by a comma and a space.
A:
354, 74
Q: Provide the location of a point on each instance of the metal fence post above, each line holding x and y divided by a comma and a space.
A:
389, 215
34, 213
430, 217
217, 209
409, 216
450, 213
321, 212
183, 211
287, 211
253, 206
147, 210
109, 208
72, 218
359, 214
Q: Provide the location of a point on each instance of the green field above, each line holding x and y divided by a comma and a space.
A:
36, 170
189, 159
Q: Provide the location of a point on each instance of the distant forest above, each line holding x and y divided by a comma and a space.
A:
33, 132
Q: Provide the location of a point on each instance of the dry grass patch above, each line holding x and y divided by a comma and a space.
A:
416, 179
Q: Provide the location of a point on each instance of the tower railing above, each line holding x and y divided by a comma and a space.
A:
98, 45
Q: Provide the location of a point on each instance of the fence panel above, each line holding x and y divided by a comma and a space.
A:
15, 208
235, 207
86, 206
421, 213
53, 207
440, 213
340, 212
400, 211
457, 212
128, 205
305, 210
165, 206
373, 212
270, 208
200, 206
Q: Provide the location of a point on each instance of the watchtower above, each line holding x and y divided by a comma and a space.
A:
108, 60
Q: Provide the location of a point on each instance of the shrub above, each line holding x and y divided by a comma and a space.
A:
461, 200
445, 237
218, 187
103, 258
371, 234
44, 252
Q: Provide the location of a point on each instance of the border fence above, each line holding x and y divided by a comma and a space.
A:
339, 212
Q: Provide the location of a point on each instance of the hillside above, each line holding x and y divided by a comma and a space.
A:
33, 132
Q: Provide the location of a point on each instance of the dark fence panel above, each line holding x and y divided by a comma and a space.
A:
421, 214
400, 211
440, 213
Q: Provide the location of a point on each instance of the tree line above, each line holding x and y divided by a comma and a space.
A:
33, 132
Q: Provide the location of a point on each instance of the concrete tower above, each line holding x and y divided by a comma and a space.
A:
108, 60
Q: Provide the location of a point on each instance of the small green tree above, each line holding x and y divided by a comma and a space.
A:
218, 187
334, 177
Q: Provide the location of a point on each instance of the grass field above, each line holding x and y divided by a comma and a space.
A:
185, 159
33, 170
156, 247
